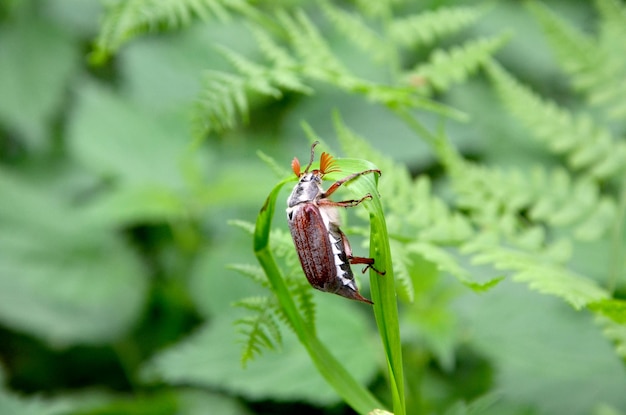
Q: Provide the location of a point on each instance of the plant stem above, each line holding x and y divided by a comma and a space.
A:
358, 397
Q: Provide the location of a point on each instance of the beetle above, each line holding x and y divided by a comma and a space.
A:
323, 249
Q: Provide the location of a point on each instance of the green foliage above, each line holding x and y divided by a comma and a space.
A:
224, 96
307, 57
11, 403
127, 19
98, 294
352, 26
502, 203
616, 332
214, 346
593, 62
29, 100
586, 145
446, 68
260, 329
425, 28
505, 216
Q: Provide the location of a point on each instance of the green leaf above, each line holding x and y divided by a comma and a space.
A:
148, 159
476, 407
548, 356
16, 405
383, 287
115, 138
211, 358
63, 278
194, 402
37, 63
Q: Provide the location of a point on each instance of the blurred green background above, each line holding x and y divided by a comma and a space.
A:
115, 291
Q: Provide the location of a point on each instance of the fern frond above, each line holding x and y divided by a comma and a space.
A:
318, 61
597, 221
246, 226
401, 267
426, 28
129, 18
224, 97
412, 206
540, 273
611, 316
613, 308
495, 197
446, 261
612, 24
414, 210
439, 256
454, 66
500, 203
254, 272
354, 28
596, 67
221, 102
379, 9
270, 49
301, 291
587, 145
285, 70
616, 333
575, 50
260, 330
256, 76
278, 170
612, 40
561, 201
282, 245
270, 80
434, 219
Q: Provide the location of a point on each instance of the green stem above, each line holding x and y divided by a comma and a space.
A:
358, 397
386, 306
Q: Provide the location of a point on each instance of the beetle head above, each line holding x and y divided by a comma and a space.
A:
326, 164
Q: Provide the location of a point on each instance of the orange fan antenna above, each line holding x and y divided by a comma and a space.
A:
327, 164
295, 166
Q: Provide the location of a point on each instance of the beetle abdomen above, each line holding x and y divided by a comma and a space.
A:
312, 244
321, 251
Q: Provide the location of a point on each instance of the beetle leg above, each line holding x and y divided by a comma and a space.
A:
339, 182
369, 262
345, 203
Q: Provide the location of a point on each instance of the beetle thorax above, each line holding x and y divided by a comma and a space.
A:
308, 189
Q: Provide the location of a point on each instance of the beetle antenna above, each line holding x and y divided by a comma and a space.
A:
312, 155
